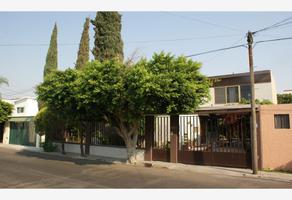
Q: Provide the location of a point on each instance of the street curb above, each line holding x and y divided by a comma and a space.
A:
219, 171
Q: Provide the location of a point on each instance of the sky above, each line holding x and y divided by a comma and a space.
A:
25, 36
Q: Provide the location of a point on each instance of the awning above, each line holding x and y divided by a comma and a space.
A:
20, 119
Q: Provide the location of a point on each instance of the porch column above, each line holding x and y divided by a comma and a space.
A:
149, 131
174, 137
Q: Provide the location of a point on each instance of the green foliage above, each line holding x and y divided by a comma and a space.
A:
52, 55
3, 80
108, 42
58, 92
5, 110
257, 101
122, 94
48, 146
49, 123
265, 102
83, 53
284, 98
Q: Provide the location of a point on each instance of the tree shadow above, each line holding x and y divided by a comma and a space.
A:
56, 156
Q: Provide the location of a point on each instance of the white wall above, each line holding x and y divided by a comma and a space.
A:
266, 91
30, 107
104, 151
6, 133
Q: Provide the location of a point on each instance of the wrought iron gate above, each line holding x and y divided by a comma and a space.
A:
161, 139
221, 140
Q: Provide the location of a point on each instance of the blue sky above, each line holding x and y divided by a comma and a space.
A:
147, 32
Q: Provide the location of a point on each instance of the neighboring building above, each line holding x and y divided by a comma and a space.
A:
20, 129
287, 91
232, 88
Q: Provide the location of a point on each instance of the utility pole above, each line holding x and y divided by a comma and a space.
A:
253, 108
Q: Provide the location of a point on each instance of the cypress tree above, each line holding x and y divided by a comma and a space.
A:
83, 53
52, 55
108, 42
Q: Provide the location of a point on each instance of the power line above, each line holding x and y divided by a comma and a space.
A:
182, 39
234, 43
237, 46
273, 40
204, 22
278, 24
216, 50
30, 44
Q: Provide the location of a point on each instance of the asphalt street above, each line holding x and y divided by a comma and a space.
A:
24, 169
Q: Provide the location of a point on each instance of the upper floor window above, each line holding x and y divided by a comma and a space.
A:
282, 121
220, 95
20, 109
232, 94
245, 92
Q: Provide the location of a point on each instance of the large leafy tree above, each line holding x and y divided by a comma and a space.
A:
284, 98
5, 111
59, 93
123, 94
83, 53
108, 42
52, 55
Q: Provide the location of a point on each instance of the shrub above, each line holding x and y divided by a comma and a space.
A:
48, 146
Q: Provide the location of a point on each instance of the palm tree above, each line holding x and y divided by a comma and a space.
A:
3, 80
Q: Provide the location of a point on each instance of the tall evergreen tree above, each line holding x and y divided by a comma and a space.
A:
83, 53
52, 55
108, 42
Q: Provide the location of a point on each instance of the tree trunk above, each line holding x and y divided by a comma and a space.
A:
131, 152
87, 140
63, 147
63, 143
81, 147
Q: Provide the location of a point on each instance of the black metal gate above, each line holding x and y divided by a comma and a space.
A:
219, 140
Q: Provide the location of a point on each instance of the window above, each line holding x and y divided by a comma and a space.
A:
232, 94
282, 121
20, 109
220, 95
245, 92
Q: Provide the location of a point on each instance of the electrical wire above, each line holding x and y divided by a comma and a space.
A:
182, 39
28, 44
216, 50
203, 21
278, 24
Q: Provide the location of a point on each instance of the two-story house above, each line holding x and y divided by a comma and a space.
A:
20, 129
233, 89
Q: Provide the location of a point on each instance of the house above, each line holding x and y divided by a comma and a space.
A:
289, 91
231, 89
223, 135
20, 129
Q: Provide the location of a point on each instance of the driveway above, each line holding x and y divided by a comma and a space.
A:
24, 169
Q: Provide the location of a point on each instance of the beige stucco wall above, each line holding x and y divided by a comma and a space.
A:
276, 144
266, 91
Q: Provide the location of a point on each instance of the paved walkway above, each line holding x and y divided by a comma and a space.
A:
23, 167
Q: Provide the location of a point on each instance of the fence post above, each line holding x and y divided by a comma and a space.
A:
174, 137
149, 130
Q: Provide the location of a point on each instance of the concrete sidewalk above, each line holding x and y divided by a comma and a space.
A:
237, 172
211, 170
